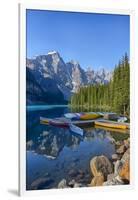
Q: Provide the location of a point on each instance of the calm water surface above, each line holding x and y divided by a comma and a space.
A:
53, 152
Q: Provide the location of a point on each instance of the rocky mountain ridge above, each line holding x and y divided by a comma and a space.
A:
50, 74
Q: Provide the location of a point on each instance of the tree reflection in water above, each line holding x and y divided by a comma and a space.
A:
52, 141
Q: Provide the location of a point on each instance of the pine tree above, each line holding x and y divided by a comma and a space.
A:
114, 96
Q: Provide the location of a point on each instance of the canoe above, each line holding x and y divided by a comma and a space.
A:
111, 125
73, 116
57, 122
122, 119
82, 116
44, 120
62, 122
76, 129
115, 130
87, 116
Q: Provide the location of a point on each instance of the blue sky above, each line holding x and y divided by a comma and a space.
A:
95, 40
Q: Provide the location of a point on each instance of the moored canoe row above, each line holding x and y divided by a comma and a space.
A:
56, 121
44, 120
116, 130
83, 116
96, 118
111, 124
88, 116
62, 122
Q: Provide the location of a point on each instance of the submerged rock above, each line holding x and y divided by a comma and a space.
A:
40, 183
101, 166
72, 183
81, 172
79, 177
73, 173
78, 185
29, 144
45, 133
62, 184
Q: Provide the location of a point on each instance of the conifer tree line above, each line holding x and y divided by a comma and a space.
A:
113, 96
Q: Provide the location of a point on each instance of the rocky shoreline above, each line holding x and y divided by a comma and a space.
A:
104, 172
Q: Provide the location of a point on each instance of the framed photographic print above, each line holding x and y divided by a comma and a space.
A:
75, 99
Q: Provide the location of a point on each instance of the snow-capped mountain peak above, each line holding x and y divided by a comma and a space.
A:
52, 52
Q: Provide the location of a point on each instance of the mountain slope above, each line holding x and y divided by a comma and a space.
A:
51, 80
35, 94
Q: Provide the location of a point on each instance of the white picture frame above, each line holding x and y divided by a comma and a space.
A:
22, 96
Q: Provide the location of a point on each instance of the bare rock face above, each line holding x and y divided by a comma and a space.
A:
101, 166
48, 75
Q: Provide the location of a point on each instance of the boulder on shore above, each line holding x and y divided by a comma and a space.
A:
124, 172
121, 149
126, 156
115, 157
101, 166
127, 143
97, 181
117, 166
113, 181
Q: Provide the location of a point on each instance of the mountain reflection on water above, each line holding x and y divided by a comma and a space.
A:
53, 140
54, 151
